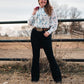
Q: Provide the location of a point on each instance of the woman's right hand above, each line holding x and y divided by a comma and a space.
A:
35, 10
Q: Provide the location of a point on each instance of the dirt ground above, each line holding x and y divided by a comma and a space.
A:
24, 50
17, 78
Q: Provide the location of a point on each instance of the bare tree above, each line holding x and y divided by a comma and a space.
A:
63, 12
74, 13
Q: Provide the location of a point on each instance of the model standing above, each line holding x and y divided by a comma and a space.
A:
45, 22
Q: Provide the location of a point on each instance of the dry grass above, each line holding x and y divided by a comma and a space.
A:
19, 72
25, 67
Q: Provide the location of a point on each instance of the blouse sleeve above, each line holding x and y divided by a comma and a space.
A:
53, 22
31, 20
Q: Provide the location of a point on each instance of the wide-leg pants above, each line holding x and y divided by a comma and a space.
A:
38, 40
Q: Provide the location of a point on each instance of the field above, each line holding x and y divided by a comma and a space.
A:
16, 73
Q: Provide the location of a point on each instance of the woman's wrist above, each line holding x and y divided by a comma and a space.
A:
33, 13
46, 34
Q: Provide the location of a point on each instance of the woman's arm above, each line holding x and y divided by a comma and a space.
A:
32, 18
53, 23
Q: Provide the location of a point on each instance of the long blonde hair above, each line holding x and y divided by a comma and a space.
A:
48, 8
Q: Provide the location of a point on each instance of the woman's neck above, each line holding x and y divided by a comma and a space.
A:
42, 6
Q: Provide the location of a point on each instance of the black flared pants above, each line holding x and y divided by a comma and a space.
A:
38, 40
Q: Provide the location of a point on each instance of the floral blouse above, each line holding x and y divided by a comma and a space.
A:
42, 20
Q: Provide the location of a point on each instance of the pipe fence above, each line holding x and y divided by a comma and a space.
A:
53, 40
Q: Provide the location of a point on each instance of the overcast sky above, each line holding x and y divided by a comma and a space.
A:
22, 9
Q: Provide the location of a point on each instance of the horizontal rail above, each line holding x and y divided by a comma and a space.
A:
13, 59
73, 60
25, 59
53, 40
70, 20
13, 22
15, 40
59, 20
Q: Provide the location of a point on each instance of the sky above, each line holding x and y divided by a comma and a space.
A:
11, 10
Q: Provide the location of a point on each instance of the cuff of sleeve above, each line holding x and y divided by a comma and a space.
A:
32, 15
49, 31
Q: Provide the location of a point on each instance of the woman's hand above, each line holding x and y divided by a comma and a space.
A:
35, 10
46, 34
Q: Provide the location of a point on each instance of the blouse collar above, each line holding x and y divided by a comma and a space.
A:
41, 8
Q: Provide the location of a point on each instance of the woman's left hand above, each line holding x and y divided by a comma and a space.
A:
46, 34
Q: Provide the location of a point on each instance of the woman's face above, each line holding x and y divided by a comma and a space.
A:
42, 2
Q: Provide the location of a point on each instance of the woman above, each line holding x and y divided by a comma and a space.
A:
45, 22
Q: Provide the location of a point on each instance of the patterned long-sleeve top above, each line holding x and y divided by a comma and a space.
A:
42, 20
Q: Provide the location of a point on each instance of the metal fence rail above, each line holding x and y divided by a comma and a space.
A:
53, 40
14, 59
59, 20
